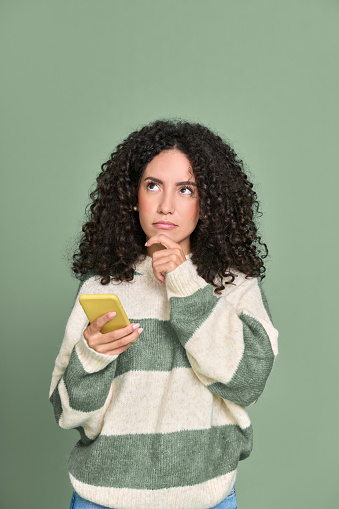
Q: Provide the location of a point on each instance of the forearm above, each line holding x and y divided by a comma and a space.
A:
83, 390
230, 348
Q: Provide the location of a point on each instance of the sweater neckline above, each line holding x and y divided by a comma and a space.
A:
144, 264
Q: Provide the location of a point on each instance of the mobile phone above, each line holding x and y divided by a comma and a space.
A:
96, 305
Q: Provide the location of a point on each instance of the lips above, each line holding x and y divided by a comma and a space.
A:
165, 223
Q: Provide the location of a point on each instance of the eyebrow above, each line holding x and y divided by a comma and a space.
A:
187, 182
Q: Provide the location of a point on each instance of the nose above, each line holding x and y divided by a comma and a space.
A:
166, 204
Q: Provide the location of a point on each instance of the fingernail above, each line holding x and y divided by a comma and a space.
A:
112, 314
146, 243
140, 330
135, 325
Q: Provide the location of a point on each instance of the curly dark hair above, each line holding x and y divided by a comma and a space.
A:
226, 237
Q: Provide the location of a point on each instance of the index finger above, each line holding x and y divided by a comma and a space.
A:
97, 324
162, 239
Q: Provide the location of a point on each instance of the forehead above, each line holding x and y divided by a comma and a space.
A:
171, 165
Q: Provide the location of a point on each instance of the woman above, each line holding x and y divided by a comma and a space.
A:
160, 404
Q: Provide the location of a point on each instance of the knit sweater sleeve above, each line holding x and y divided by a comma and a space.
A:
81, 385
230, 341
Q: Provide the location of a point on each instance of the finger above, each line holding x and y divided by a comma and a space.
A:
119, 343
97, 324
167, 255
119, 333
163, 253
165, 264
118, 351
163, 239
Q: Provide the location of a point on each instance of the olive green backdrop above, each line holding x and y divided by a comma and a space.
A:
77, 77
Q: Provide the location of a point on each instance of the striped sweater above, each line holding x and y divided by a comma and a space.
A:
163, 425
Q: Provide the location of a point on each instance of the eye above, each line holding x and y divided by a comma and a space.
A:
150, 184
191, 191
189, 188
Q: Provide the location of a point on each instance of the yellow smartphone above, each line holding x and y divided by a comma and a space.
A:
96, 305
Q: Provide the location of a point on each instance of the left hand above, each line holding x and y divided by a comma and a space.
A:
165, 260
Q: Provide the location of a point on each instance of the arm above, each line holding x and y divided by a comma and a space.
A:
81, 383
230, 341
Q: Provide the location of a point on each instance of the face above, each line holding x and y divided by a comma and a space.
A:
162, 196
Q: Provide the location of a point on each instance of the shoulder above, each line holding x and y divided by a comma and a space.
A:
240, 284
92, 284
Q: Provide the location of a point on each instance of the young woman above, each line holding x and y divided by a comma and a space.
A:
160, 404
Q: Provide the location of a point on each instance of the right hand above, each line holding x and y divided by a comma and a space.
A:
110, 343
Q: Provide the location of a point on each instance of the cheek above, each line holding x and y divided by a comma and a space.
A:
144, 204
192, 209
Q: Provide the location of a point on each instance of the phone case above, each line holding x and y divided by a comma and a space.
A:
96, 305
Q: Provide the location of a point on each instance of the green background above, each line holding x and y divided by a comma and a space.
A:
77, 78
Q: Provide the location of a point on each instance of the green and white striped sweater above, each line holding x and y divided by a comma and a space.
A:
163, 424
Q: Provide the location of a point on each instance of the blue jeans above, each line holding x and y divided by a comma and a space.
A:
78, 502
